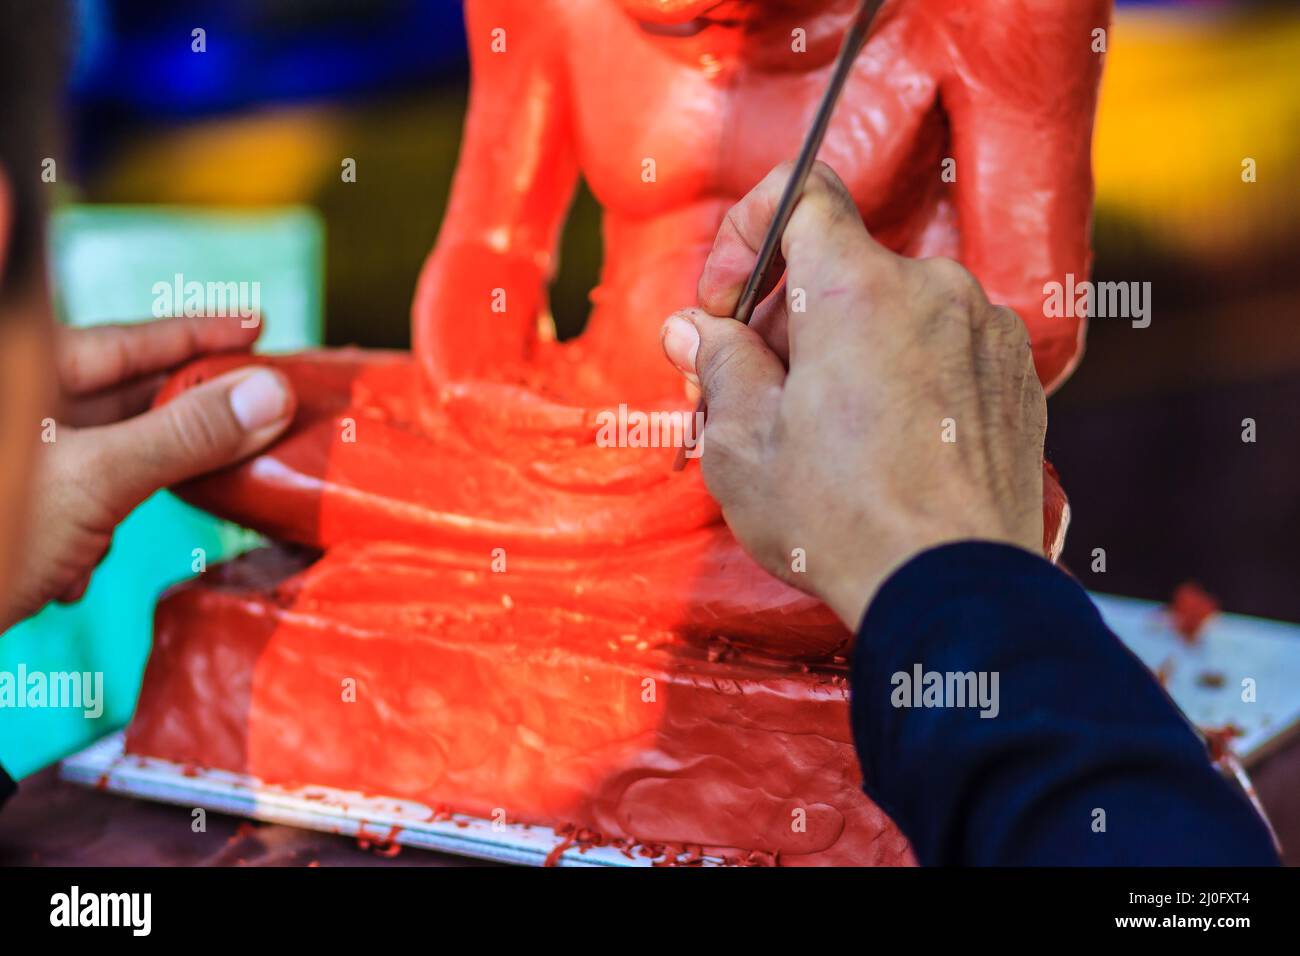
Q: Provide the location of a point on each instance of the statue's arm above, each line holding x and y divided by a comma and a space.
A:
1021, 93
484, 285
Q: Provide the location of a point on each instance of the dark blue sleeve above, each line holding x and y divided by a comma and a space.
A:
1072, 754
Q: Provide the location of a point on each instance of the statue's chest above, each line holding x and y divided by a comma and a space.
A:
655, 134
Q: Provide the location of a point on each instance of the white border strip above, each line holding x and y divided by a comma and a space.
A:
104, 766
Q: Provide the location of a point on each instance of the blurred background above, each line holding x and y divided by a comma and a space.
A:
228, 165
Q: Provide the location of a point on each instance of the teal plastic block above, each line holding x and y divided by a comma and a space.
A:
108, 262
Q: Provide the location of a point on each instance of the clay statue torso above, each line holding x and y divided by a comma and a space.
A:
960, 133
965, 130
659, 232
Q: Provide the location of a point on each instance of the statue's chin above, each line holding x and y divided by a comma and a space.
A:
671, 12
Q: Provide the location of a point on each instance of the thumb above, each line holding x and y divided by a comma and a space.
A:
733, 367
200, 430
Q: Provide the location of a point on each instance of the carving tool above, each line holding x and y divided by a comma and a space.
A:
854, 39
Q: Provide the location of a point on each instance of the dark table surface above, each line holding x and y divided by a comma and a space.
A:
50, 822
54, 823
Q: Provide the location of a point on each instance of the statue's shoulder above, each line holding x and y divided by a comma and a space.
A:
1031, 50
1041, 20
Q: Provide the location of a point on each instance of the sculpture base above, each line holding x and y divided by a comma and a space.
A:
347, 671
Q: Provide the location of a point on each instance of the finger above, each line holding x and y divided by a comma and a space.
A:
735, 248
825, 200
114, 404
831, 261
202, 429
771, 321
843, 287
107, 355
825, 210
735, 370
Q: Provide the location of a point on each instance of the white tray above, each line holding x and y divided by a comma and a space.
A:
379, 819
1231, 648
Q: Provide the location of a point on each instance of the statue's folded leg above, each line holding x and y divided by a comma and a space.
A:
374, 454
470, 491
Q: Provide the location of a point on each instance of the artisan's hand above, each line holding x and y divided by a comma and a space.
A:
109, 452
910, 415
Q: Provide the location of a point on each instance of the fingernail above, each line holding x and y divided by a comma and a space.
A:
681, 343
258, 400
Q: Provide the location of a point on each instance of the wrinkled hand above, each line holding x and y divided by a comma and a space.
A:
878, 406
109, 451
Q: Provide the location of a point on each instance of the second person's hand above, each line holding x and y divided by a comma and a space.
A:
107, 451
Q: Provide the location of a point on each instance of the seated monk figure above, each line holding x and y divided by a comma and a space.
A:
963, 131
